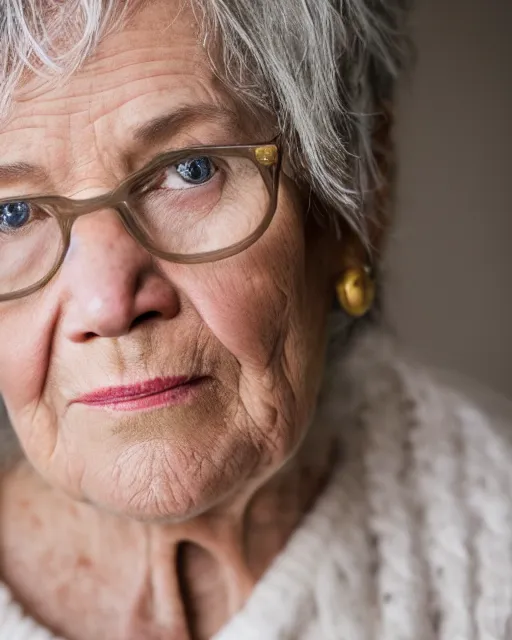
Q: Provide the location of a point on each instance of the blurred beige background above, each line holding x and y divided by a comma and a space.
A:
450, 259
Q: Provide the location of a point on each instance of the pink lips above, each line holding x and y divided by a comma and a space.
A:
143, 395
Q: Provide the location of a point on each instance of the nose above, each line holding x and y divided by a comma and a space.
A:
111, 282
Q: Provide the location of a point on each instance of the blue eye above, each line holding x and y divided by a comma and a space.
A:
196, 170
14, 215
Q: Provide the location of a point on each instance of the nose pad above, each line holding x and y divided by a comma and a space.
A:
112, 283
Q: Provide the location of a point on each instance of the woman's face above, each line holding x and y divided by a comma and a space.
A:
250, 330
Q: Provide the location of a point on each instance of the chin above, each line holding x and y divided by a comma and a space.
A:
172, 479
170, 464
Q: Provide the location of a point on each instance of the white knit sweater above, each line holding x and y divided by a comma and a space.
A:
412, 539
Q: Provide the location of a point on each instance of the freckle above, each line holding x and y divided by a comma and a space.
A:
83, 562
48, 558
62, 592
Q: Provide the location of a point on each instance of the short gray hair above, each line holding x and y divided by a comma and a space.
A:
323, 69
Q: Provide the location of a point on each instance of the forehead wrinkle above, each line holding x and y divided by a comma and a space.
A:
172, 123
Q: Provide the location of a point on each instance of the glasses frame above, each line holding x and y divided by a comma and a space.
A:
267, 157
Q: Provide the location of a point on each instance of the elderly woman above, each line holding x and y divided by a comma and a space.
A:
212, 439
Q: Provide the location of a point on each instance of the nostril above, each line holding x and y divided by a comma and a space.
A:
141, 319
144, 317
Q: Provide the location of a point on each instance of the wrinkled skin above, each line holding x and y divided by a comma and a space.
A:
254, 323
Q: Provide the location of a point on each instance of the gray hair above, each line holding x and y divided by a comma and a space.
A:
323, 69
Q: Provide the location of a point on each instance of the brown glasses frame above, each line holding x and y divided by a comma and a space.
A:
266, 157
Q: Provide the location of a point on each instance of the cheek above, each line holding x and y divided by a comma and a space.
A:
26, 341
246, 314
252, 301
265, 309
26, 335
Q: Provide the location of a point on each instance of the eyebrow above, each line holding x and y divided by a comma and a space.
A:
173, 122
19, 170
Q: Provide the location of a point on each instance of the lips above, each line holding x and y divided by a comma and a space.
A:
141, 394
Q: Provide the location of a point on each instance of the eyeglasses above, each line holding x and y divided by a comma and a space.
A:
199, 204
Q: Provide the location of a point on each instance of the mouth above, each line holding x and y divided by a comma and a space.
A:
146, 395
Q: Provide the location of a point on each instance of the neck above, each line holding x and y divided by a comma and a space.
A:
190, 577
234, 548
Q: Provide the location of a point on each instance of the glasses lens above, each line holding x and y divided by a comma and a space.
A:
30, 245
202, 203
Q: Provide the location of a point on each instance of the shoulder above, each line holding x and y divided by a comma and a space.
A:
431, 409
430, 462
450, 432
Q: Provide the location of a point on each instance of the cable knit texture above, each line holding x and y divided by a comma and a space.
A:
411, 540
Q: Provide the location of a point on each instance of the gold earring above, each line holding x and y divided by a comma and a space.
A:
356, 291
